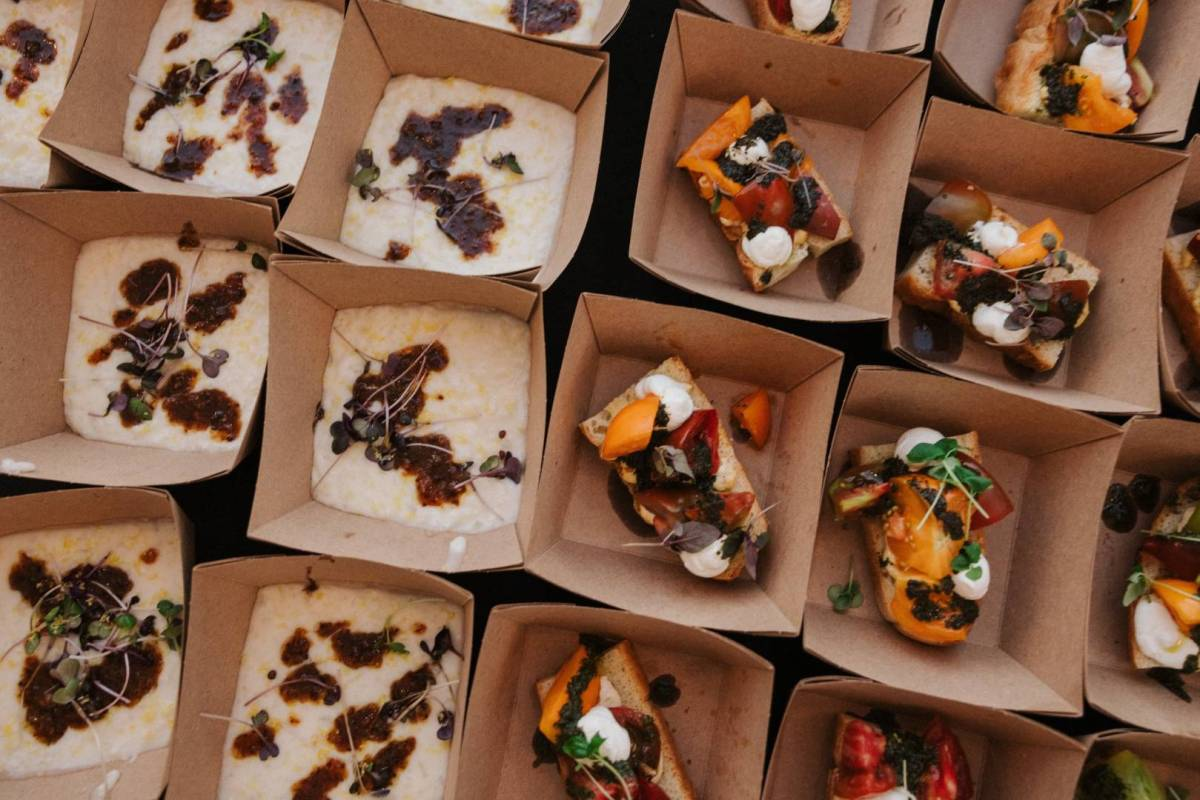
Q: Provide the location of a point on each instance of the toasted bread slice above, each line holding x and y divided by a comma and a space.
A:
760, 10
1019, 87
731, 475
1181, 290
620, 666
915, 286
874, 453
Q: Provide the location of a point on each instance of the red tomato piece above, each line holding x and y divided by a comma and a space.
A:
950, 272
700, 427
994, 501
950, 777
825, 220
771, 204
782, 9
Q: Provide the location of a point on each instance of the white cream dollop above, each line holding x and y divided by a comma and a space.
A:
989, 319
1158, 636
808, 14
994, 236
708, 563
770, 248
601, 722
913, 437
1108, 61
973, 588
750, 153
674, 396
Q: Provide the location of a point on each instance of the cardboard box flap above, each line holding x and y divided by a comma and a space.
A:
223, 596
1169, 450
1054, 464
381, 40
970, 60
1174, 760
1009, 756
863, 150
886, 26
1113, 217
305, 294
45, 232
719, 723
586, 537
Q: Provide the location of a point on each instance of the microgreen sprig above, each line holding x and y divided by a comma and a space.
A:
967, 561
845, 596
940, 459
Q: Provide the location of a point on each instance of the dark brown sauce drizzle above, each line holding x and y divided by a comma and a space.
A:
172, 87
434, 359
327, 629
216, 304
177, 41
207, 409
388, 761
249, 93
464, 212
317, 784
542, 17
184, 159
407, 688
149, 555
397, 251
295, 649
30, 578
440, 479
178, 382
35, 48
304, 685
150, 282
212, 10
250, 743
366, 725
189, 237
357, 649
292, 101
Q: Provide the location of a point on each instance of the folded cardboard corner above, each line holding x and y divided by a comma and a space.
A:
1180, 372
1173, 760
89, 124
382, 40
222, 601
973, 36
43, 232
719, 724
305, 295
1009, 756
585, 522
1169, 450
1116, 218
1054, 464
881, 26
856, 114
145, 776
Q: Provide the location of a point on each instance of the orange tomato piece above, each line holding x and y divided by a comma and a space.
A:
557, 697
932, 632
711, 170
719, 135
1097, 114
924, 548
1029, 247
753, 415
1180, 598
1135, 28
630, 429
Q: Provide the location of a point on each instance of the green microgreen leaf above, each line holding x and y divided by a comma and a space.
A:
31, 642
125, 621
580, 748
66, 693
140, 408
397, 647
273, 57
365, 176
1138, 585
968, 556
845, 596
507, 161
260, 719
715, 204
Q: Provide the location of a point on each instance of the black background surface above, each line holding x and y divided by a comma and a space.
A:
220, 508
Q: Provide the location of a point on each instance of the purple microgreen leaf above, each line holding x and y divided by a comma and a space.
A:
1036, 290
1111, 40
1049, 327
211, 363
692, 536
1074, 27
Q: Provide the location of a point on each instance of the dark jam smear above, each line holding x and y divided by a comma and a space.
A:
317, 784
207, 409
327, 629
35, 48
177, 41
542, 17
216, 304
366, 724
170, 91
184, 159
386, 764
249, 94
440, 479
189, 237
307, 684
179, 382
251, 743
164, 329
295, 649
368, 386
357, 649
30, 578
149, 555
464, 213
88, 576
212, 10
292, 100
406, 690
150, 282
397, 251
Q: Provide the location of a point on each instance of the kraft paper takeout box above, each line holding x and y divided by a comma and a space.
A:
145, 776
889, 26
222, 600
1180, 373
42, 234
612, 12
1112, 201
383, 40
305, 295
973, 35
1026, 651
856, 114
1174, 760
1170, 450
88, 128
585, 516
719, 723
1009, 755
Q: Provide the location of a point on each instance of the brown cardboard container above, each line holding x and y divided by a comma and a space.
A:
1180, 374
612, 13
1026, 652
382, 40
856, 113
884, 26
719, 724
145, 776
1174, 760
584, 516
88, 127
223, 595
305, 294
1114, 217
42, 233
1010, 756
1169, 449
972, 36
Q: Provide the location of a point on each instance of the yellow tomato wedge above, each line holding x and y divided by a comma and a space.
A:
1180, 598
718, 136
558, 696
1135, 28
1097, 114
923, 548
631, 429
753, 415
933, 632
1029, 248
